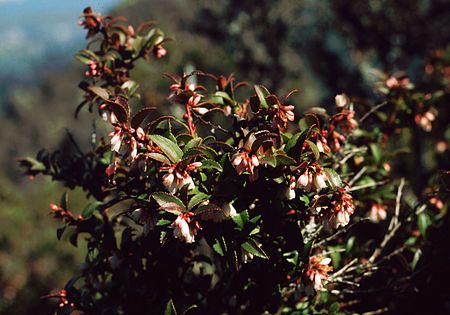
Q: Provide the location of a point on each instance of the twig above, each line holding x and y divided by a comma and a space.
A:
212, 125
369, 185
357, 176
394, 225
339, 232
348, 156
372, 110
375, 312
343, 269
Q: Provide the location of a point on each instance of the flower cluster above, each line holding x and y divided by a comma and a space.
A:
342, 209
317, 272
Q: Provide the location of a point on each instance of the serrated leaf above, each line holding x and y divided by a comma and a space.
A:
252, 247
170, 149
333, 178
169, 203
197, 198
211, 165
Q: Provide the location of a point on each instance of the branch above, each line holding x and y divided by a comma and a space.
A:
372, 110
394, 225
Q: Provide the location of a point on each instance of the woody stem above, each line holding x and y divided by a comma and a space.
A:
189, 120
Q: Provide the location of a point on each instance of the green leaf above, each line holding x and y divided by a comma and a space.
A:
170, 308
131, 86
262, 92
350, 244
416, 258
307, 251
192, 143
33, 164
60, 232
220, 247
252, 247
197, 198
65, 201
170, 149
314, 149
225, 96
305, 199
90, 208
283, 159
376, 152
163, 222
169, 203
423, 222
101, 92
241, 219
334, 307
333, 178
268, 160
211, 165
159, 157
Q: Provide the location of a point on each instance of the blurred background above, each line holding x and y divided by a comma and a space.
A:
321, 48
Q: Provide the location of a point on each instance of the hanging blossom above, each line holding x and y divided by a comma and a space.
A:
185, 228
317, 272
377, 212
116, 139
425, 120
312, 178
178, 176
342, 209
320, 140
245, 161
289, 192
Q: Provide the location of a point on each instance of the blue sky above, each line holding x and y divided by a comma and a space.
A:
32, 31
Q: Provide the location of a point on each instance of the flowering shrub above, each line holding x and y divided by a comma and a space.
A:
240, 206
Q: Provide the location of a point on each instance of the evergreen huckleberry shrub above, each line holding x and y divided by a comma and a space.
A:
241, 205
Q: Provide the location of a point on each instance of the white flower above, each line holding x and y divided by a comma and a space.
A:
319, 181
169, 182
116, 141
378, 212
182, 229
341, 100
303, 181
228, 210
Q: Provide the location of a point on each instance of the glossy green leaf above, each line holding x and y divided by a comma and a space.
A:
169, 203
170, 149
252, 247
